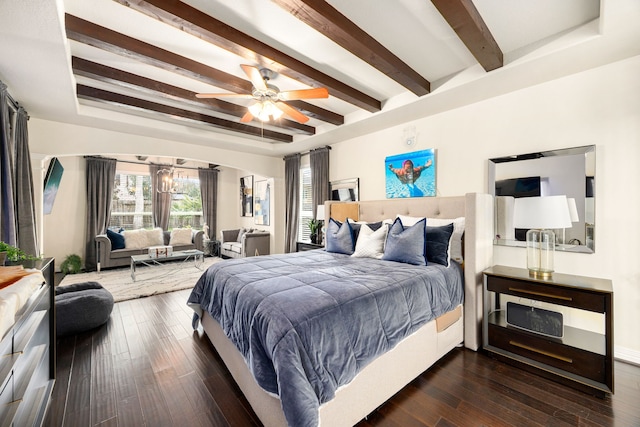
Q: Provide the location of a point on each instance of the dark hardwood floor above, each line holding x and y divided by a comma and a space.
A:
147, 367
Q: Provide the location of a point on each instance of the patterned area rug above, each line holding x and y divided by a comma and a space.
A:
168, 277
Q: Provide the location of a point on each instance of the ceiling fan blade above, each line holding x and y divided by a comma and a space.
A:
254, 75
223, 95
292, 112
290, 95
247, 117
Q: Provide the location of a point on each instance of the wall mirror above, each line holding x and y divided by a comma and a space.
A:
569, 171
345, 190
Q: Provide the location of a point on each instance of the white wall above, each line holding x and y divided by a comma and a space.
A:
599, 107
65, 227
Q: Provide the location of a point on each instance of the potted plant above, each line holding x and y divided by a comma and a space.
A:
72, 264
12, 254
314, 226
15, 256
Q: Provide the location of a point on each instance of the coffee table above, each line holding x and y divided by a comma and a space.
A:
196, 255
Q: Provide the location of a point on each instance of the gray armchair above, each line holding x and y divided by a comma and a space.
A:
234, 244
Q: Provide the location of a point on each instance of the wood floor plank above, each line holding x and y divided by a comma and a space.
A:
148, 368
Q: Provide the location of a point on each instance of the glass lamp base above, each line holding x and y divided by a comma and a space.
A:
540, 251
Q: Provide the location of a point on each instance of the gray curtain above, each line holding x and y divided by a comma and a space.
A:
7, 209
292, 201
101, 174
24, 203
209, 194
160, 202
319, 163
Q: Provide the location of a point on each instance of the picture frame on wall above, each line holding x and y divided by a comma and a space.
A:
246, 195
411, 174
262, 202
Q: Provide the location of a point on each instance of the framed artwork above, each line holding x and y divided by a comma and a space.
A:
262, 202
411, 174
246, 196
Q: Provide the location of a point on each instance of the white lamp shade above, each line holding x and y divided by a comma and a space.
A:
541, 212
573, 210
320, 213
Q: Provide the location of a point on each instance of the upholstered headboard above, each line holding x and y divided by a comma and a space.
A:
478, 249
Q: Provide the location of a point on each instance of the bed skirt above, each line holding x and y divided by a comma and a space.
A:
373, 386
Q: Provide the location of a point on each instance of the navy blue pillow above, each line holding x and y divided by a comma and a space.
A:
117, 240
406, 244
339, 237
438, 244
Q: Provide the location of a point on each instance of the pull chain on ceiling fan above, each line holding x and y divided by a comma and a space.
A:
270, 101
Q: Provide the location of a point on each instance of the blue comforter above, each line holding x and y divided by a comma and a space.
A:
308, 322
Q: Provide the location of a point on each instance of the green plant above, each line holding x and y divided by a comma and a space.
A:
72, 264
314, 225
13, 253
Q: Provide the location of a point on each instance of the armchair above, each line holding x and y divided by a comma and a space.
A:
240, 243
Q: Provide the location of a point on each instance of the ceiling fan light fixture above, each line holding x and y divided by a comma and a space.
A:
265, 110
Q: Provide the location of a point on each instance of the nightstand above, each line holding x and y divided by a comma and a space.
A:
307, 246
581, 358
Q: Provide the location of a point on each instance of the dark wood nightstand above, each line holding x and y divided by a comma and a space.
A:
307, 246
581, 359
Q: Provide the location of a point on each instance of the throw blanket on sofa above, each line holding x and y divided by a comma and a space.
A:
308, 322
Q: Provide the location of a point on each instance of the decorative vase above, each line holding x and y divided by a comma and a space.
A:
3, 256
314, 238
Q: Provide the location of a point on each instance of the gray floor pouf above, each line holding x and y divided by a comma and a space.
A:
81, 307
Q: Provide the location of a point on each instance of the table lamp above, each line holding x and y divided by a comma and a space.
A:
540, 215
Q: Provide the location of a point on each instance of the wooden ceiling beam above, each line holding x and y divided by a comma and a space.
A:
103, 38
199, 24
323, 17
123, 101
466, 21
104, 73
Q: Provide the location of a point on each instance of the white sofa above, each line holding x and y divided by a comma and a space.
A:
242, 242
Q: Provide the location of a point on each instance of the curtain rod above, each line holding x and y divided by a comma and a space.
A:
159, 164
308, 151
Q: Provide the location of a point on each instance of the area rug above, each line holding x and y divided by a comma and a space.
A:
168, 277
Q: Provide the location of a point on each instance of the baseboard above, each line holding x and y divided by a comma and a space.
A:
626, 355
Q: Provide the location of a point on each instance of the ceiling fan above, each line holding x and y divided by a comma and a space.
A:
270, 101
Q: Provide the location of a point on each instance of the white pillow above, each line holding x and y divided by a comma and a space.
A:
370, 243
455, 244
408, 221
135, 239
180, 236
155, 237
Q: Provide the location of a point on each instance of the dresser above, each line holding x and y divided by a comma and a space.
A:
27, 364
579, 358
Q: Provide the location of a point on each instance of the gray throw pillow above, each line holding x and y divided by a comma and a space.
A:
339, 237
406, 244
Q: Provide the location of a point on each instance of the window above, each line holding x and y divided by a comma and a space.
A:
186, 205
306, 204
131, 203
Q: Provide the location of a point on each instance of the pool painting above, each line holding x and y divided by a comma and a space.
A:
411, 174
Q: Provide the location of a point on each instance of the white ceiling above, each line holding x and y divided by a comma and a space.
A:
36, 60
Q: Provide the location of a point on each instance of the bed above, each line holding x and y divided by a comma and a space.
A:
254, 292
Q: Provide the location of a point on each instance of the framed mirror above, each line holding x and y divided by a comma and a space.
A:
345, 190
569, 171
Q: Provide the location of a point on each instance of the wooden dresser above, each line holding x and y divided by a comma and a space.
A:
28, 351
581, 358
